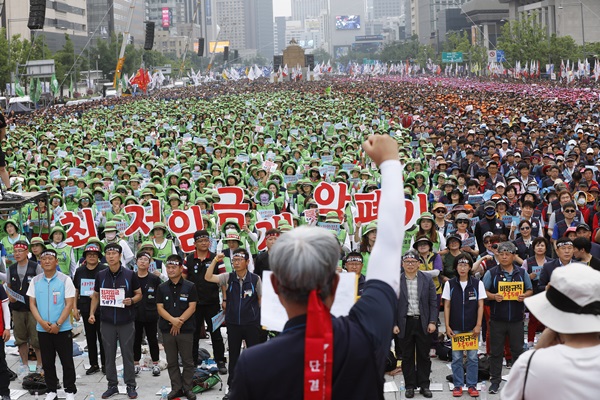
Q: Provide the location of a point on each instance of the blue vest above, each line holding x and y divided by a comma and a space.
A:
50, 299
507, 311
243, 307
463, 304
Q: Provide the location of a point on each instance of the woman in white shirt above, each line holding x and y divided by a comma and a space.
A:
566, 361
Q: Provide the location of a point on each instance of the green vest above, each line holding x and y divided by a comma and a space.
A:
9, 247
165, 252
64, 259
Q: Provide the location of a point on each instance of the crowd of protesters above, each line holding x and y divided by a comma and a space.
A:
510, 176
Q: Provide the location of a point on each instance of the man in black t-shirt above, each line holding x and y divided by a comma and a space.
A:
208, 298
146, 314
83, 281
176, 301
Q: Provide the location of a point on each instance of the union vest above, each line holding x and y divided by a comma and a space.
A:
463, 304
243, 307
507, 311
21, 287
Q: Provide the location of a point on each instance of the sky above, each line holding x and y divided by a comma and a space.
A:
282, 8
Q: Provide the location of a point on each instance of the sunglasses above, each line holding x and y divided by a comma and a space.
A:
495, 246
440, 211
486, 242
569, 211
525, 228
462, 221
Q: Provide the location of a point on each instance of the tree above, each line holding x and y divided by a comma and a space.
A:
321, 55
524, 40
401, 51
63, 62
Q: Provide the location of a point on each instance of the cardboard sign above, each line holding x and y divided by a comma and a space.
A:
476, 199
331, 197
271, 223
537, 269
332, 226
184, 224
112, 297
231, 205
510, 290
326, 159
15, 295
273, 316
269, 166
310, 216
218, 320
367, 205
143, 219
465, 341
265, 214
75, 171
54, 174
87, 287
103, 206
468, 242
81, 227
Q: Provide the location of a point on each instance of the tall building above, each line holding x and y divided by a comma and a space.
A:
279, 38
577, 18
387, 8
263, 26
62, 16
247, 25
421, 17
303, 9
105, 17
343, 22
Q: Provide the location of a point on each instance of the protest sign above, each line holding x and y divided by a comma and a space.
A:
231, 205
218, 320
143, 219
465, 341
510, 290
87, 287
264, 225
184, 223
103, 206
80, 227
112, 297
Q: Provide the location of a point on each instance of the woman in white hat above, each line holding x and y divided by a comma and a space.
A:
566, 361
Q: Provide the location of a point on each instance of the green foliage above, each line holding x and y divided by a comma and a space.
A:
524, 40
460, 42
401, 51
321, 55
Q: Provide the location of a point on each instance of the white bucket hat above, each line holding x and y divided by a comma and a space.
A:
572, 302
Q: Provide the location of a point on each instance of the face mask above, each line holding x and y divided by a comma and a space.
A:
581, 201
183, 198
98, 197
197, 168
264, 198
111, 235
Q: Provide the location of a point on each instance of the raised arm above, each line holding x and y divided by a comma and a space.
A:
385, 259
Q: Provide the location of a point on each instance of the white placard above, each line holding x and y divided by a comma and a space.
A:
273, 316
112, 297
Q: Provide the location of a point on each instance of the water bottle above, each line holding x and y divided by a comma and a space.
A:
23, 370
163, 393
91, 396
401, 389
483, 392
37, 396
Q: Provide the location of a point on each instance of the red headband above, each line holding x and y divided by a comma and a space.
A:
21, 246
273, 234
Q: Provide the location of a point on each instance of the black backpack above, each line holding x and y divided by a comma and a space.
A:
35, 383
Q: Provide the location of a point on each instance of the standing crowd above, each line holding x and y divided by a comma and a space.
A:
507, 185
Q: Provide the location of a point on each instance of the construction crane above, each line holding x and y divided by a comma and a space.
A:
121, 60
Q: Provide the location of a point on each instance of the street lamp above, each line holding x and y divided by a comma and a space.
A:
582, 20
